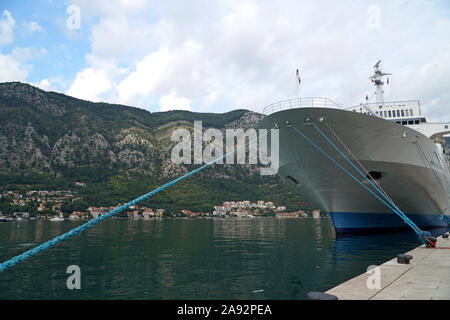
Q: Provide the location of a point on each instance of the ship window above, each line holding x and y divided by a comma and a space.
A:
398, 122
385, 114
416, 121
411, 112
410, 122
390, 114
398, 113
402, 112
407, 113
404, 122
446, 127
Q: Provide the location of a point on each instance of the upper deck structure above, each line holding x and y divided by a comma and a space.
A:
405, 112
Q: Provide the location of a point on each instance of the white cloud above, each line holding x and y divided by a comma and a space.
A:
129, 38
51, 84
232, 54
7, 23
15, 66
429, 83
28, 53
108, 65
149, 73
161, 72
44, 84
90, 84
111, 7
173, 102
33, 27
11, 69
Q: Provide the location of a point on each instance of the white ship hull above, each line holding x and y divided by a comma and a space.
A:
414, 172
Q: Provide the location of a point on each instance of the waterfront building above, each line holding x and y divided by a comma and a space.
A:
286, 214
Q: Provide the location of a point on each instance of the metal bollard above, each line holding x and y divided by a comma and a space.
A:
320, 296
404, 258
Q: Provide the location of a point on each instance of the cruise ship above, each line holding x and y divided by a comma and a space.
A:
333, 155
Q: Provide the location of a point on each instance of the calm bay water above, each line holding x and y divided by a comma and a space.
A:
265, 258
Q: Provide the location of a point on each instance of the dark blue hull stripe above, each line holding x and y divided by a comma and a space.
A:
355, 221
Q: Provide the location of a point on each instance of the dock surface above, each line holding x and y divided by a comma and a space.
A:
426, 277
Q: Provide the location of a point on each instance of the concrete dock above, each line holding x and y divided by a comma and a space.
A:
426, 277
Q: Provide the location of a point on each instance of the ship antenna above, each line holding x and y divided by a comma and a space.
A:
377, 78
299, 81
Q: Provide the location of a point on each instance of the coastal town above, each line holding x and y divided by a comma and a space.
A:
55, 206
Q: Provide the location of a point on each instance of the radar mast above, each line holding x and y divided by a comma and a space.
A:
377, 78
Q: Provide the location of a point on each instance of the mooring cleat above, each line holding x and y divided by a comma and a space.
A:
320, 296
404, 258
430, 241
308, 121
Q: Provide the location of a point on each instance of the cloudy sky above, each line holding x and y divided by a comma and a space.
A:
215, 56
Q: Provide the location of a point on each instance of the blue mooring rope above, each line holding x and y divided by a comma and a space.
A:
421, 234
397, 209
28, 254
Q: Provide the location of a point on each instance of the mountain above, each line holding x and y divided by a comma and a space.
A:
50, 140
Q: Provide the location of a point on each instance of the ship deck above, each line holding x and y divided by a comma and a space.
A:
426, 277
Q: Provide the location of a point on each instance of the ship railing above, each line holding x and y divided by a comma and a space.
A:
307, 102
363, 108
395, 104
389, 105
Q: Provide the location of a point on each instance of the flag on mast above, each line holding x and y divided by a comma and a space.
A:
298, 77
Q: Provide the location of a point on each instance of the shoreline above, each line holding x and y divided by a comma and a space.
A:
174, 218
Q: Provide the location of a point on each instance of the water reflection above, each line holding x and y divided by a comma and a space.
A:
249, 229
192, 259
